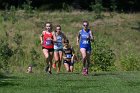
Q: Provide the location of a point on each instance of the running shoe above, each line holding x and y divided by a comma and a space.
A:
54, 65
47, 68
87, 70
84, 72
29, 70
49, 72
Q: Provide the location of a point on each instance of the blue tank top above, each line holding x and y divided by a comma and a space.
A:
84, 39
59, 44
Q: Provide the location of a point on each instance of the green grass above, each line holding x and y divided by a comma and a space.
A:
103, 82
121, 32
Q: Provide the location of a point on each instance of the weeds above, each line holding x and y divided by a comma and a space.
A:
103, 56
5, 54
116, 32
130, 62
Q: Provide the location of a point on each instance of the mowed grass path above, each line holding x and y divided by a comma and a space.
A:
103, 82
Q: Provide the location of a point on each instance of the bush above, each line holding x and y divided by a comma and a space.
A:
66, 7
17, 39
34, 57
28, 9
103, 56
113, 5
130, 62
5, 54
18, 51
97, 8
10, 15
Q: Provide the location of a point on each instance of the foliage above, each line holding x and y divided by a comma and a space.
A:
127, 5
18, 51
103, 56
97, 8
116, 32
17, 39
28, 9
130, 62
10, 15
34, 56
113, 8
5, 54
113, 5
66, 7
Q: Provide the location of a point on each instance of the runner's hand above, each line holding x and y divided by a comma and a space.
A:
77, 44
41, 42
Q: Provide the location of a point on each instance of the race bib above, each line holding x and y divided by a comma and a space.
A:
85, 42
59, 44
48, 42
59, 41
68, 55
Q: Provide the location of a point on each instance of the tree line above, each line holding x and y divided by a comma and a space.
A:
119, 5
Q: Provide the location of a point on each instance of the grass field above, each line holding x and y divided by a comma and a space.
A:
121, 33
103, 82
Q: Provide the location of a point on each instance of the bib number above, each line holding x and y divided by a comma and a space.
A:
85, 42
68, 55
48, 42
59, 44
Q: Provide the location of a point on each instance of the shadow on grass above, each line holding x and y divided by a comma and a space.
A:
8, 81
133, 83
137, 28
69, 73
90, 74
104, 74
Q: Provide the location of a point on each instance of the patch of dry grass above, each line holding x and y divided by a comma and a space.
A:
121, 31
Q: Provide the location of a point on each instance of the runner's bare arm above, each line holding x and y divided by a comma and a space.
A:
54, 37
64, 57
64, 37
41, 38
74, 57
73, 52
78, 37
91, 36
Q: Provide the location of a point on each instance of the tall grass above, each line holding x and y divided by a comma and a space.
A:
120, 32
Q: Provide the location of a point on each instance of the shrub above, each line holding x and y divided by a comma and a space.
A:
97, 8
66, 7
130, 62
113, 8
27, 7
34, 56
113, 5
5, 54
10, 15
103, 56
18, 51
17, 39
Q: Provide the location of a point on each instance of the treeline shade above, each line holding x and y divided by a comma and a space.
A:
121, 5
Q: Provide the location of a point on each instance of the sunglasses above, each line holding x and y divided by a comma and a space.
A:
58, 29
85, 25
